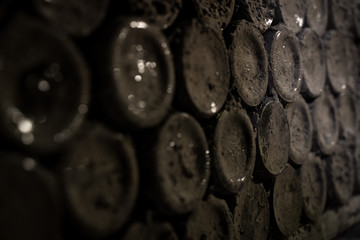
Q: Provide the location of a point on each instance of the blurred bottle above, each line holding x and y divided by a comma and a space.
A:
314, 63
157, 12
175, 164
273, 139
291, 13
336, 60
234, 150
209, 220
45, 86
202, 69
347, 117
287, 201
251, 213
133, 74
29, 203
326, 123
78, 18
313, 181
99, 178
317, 15
340, 15
341, 175
248, 61
260, 13
286, 71
301, 129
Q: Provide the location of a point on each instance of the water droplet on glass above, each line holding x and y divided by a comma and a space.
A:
172, 144
142, 104
29, 164
27, 138
283, 46
43, 86
179, 135
343, 86
131, 97
169, 90
82, 108
207, 152
217, 73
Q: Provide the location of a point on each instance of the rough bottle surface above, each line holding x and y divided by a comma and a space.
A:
248, 61
234, 150
291, 13
314, 63
313, 183
301, 129
317, 15
273, 137
285, 72
252, 213
202, 68
177, 165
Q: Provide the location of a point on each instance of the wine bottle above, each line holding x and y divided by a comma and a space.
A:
133, 74
337, 69
99, 178
160, 13
175, 164
313, 181
273, 139
285, 73
77, 18
209, 220
340, 15
341, 176
215, 13
356, 16
347, 117
234, 150
251, 213
29, 203
260, 13
317, 15
326, 123
314, 63
291, 13
287, 201
301, 129
357, 167
248, 61
202, 69
45, 86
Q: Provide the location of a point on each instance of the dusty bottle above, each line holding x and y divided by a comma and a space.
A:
29, 204
273, 139
78, 18
337, 69
251, 213
202, 69
45, 86
301, 129
317, 15
248, 61
313, 181
234, 150
340, 15
287, 201
175, 164
209, 220
291, 13
347, 106
260, 13
215, 13
314, 63
99, 178
326, 123
160, 13
133, 74
286, 71
341, 176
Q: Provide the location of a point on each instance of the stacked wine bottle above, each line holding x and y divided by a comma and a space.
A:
178, 119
